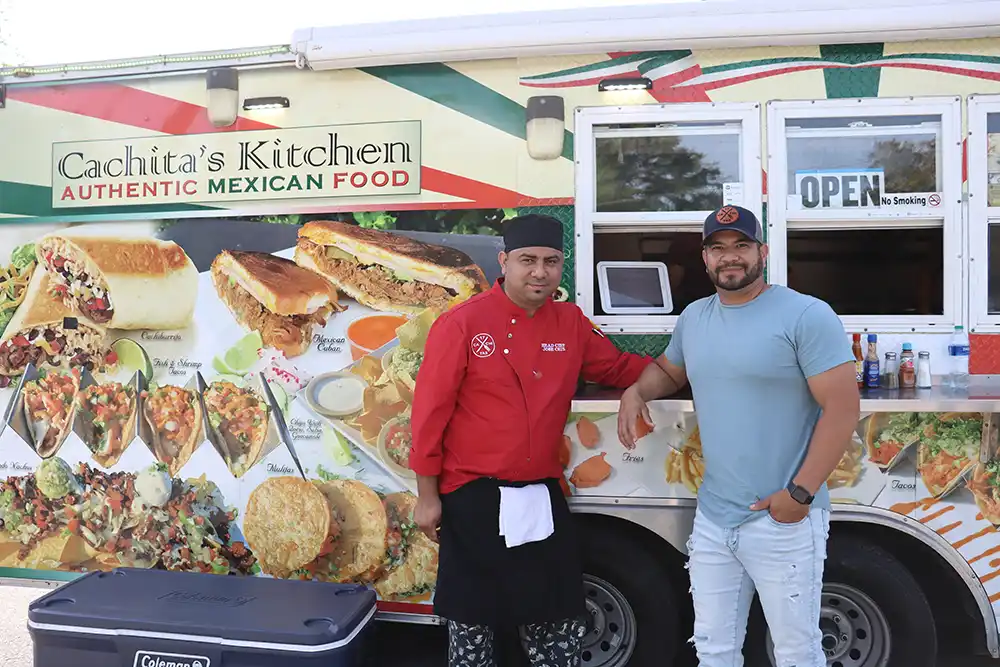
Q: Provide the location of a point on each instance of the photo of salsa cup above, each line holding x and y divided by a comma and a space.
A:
394, 443
369, 333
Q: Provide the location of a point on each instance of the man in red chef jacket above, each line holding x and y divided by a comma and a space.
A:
492, 398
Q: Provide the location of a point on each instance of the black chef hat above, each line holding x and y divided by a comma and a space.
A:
532, 231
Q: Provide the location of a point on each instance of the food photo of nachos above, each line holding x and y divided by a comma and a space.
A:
80, 519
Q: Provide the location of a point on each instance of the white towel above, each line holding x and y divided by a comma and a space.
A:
525, 514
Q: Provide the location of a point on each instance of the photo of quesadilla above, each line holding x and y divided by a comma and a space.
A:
240, 418
949, 449
386, 271
109, 416
50, 404
412, 558
175, 419
46, 332
122, 283
275, 297
889, 434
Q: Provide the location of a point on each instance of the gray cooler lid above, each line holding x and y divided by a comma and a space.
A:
249, 612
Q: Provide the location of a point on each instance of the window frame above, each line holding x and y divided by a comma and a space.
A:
980, 213
588, 222
949, 217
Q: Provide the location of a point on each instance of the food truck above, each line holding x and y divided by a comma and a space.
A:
219, 271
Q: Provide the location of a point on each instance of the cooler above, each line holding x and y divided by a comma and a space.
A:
154, 618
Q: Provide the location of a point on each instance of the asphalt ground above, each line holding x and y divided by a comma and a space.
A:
393, 645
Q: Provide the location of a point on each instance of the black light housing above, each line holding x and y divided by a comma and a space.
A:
257, 103
630, 83
3, 95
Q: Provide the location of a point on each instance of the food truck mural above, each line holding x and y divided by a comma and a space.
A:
209, 329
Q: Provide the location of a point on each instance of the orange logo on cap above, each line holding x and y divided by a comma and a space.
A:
727, 215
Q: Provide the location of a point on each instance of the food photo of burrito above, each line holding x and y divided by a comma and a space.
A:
386, 271
889, 434
47, 333
50, 405
410, 572
949, 449
275, 297
122, 283
82, 518
175, 419
108, 415
240, 417
287, 524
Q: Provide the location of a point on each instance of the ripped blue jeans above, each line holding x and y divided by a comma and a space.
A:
782, 562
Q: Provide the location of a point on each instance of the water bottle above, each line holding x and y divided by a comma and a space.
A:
958, 360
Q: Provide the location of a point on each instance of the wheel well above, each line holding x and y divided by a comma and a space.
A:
673, 560
956, 615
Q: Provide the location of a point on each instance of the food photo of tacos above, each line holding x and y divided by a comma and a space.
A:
984, 483
175, 420
108, 413
948, 449
82, 518
889, 434
47, 333
240, 418
410, 570
50, 405
122, 283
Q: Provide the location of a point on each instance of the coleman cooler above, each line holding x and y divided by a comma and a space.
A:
154, 618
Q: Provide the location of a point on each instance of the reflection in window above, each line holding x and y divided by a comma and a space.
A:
665, 173
680, 251
870, 271
904, 148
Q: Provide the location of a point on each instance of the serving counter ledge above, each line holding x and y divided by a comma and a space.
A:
979, 397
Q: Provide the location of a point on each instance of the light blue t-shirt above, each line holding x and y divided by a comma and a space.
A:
747, 365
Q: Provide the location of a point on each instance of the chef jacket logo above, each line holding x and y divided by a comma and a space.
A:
483, 345
157, 659
553, 347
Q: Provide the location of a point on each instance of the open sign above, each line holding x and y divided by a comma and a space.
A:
840, 189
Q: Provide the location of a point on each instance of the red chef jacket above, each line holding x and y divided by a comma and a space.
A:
495, 387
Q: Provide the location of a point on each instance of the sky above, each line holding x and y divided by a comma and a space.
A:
45, 32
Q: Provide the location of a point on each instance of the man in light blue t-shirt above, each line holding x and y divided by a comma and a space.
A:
772, 374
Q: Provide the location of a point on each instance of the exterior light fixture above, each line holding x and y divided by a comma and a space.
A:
223, 84
634, 83
3, 95
258, 103
545, 119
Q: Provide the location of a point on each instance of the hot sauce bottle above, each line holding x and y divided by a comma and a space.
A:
859, 360
872, 375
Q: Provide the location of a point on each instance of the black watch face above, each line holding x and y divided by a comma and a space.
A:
800, 495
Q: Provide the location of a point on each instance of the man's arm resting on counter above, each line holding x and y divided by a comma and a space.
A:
836, 391
660, 379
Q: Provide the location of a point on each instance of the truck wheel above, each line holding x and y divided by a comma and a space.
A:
631, 602
872, 614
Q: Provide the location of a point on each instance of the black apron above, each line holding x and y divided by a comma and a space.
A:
482, 582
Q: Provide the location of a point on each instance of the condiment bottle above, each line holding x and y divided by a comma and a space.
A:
859, 360
924, 370
907, 370
871, 363
890, 374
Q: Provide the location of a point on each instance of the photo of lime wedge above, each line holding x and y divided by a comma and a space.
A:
280, 397
132, 358
338, 446
233, 379
238, 359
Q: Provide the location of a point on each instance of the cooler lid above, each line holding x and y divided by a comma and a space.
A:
252, 612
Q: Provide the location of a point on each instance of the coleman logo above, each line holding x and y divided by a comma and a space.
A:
157, 659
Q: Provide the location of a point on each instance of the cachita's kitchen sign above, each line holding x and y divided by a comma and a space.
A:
363, 160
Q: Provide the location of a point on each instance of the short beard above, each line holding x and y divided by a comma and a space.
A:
751, 274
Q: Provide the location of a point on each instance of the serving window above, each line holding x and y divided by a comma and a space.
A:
865, 210
984, 212
647, 177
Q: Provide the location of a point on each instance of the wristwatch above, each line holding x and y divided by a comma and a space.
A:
799, 494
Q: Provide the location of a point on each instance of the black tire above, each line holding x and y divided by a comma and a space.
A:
614, 562
861, 573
